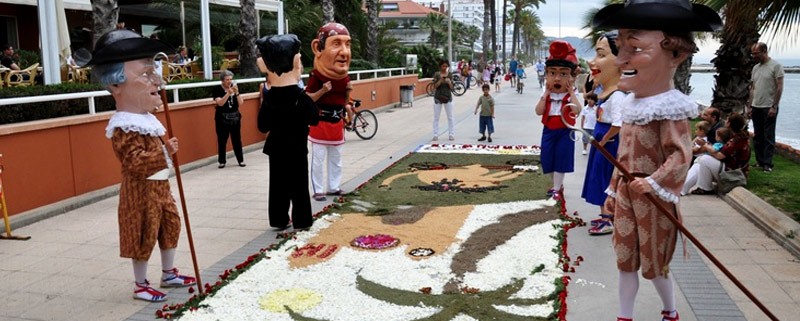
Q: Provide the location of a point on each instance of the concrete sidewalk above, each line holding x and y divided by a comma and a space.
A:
71, 269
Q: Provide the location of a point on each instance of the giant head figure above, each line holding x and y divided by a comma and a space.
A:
281, 54
560, 67
331, 50
655, 36
123, 62
603, 67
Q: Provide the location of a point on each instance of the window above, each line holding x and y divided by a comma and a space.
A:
8, 31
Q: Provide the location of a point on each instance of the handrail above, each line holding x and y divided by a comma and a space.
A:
90, 95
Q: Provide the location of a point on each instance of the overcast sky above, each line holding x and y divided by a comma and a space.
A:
572, 12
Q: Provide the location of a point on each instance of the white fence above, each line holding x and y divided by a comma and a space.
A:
90, 95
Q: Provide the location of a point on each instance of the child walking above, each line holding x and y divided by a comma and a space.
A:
485, 122
588, 120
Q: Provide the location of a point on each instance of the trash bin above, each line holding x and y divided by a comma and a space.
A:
406, 95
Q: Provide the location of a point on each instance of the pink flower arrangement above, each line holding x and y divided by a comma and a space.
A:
375, 242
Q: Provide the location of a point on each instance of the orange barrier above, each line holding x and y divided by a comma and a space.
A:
48, 161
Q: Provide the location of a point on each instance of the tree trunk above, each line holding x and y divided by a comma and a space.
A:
327, 11
505, 4
733, 62
104, 17
683, 75
247, 38
515, 32
487, 25
372, 34
494, 29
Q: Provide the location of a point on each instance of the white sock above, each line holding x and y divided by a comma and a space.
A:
167, 262
628, 287
139, 271
664, 288
558, 180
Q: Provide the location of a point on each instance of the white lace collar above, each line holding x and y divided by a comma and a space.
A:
145, 124
670, 105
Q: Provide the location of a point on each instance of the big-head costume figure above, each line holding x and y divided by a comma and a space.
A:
557, 147
331, 50
655, 36
285, 115
123, 62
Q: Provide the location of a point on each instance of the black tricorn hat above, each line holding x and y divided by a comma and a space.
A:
666, 15
120, 45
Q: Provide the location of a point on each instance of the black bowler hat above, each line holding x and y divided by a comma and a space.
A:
121, 45
666, 15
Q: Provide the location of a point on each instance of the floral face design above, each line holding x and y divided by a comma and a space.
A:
559, 79
603, 66
647, 69
334, 60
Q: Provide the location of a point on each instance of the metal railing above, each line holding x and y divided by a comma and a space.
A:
91, 95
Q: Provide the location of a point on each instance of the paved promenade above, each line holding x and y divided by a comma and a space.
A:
71, 270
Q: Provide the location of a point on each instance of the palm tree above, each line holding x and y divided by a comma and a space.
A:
435, 22
518, 6
487, 28
372, 34
744, 19
327, 11
247, 37
494, 28
104, 17
531, 28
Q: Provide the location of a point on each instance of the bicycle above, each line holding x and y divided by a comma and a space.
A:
520, 84
364, 122
458, 87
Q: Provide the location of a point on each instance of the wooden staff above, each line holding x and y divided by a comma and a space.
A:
163, 92
674, 220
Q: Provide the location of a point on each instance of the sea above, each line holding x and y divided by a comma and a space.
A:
786, 131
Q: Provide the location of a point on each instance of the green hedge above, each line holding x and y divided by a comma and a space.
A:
53, 109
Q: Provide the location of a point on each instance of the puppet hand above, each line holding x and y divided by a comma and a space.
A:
327, 86
172, 145
641, 186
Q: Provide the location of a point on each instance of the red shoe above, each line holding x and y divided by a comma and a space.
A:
623, 319
665, 316
146, 293
177, 280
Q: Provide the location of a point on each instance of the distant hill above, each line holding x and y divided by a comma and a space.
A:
583, 47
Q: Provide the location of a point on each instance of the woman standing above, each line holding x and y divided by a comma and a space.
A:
227, 118
609, 119
443, 96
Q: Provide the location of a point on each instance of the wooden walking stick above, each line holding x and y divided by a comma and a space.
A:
170, 132
7, 222
674, 220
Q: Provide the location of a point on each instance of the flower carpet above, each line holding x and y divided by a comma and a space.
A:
450, 232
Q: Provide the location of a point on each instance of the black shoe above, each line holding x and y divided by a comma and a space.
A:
767, 169
281, 228
482, 138
242, 164
490, 139
221, 166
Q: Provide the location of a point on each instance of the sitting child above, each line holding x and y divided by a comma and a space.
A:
724, 134
700, 132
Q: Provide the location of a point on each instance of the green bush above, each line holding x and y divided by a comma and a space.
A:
44, 110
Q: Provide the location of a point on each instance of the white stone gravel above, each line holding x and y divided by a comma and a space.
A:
335, 278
